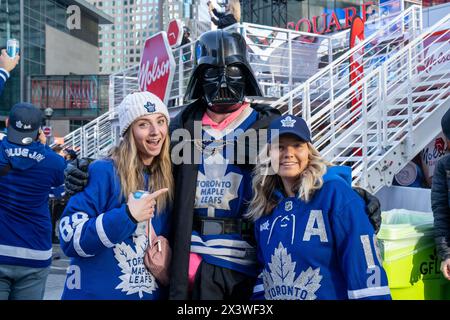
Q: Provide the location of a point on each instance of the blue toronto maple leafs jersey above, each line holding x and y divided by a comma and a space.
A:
223, 191
324, 249
106, 247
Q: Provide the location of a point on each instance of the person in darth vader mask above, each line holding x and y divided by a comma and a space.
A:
213, 248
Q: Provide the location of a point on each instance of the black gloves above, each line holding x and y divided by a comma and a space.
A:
76, 176
373, 207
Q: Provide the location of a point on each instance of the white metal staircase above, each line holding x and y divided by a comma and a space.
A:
402, 102
402, 99
272, 51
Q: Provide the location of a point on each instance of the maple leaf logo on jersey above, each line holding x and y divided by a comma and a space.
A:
280, 282
135, 276
216, 188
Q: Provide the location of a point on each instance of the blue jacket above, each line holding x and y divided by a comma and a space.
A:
323, 249
440, 203
4, 75
106, 246
25, 223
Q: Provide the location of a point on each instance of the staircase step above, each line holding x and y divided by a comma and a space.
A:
430, 83
352, 159
418, 105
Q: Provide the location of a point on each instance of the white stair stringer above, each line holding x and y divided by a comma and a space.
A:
397, 156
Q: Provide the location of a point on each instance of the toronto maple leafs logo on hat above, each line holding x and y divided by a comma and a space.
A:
150, 107
19, 124
288, 122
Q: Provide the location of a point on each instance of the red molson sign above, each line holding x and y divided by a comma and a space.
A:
314, 26
157, 66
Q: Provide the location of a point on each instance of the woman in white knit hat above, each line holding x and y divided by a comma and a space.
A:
103, 228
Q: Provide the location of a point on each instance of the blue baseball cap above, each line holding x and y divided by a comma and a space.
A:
24, 122
289, 124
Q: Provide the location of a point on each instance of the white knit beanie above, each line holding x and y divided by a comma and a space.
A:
139, 104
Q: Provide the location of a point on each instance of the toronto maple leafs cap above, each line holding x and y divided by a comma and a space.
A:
289, 124
24, 123
139, 104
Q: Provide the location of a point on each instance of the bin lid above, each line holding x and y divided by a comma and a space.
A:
402, 224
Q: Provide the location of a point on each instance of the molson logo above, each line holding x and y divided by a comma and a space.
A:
437, 54
157, 66
149, 75
432, 61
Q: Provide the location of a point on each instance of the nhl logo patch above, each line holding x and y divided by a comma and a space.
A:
288, 206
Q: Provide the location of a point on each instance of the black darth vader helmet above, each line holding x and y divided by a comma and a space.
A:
222, 75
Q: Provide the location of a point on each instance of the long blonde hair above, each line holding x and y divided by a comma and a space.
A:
130, 169
235, 9
310, 180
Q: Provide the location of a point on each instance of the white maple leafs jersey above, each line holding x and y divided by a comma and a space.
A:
223, 191
105, 246
324, 249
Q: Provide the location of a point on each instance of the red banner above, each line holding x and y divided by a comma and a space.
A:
157, 66
356, 62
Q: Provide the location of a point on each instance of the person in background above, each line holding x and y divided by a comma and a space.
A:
313, 238
59, 150
187, 50
103, 228
70, 155
440, 202
57, 199
7, 64
231, 16
28, 170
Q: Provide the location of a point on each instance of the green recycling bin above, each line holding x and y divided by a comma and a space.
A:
409, 256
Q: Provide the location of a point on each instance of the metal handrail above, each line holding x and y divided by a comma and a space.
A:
389, 110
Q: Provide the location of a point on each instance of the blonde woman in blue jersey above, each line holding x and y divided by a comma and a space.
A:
313, 236
103, 228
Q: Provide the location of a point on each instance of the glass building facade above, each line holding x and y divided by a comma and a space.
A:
134, 22
71, 96
26, 21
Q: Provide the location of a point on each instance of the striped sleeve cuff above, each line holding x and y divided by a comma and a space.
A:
368, 292
4, 74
